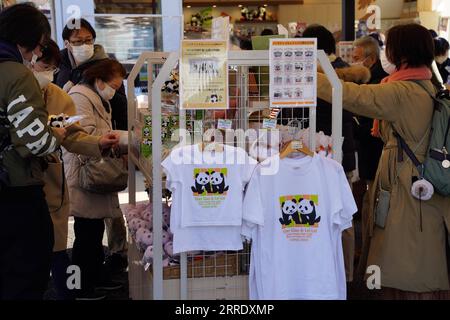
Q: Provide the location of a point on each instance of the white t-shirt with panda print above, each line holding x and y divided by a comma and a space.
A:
208, 190
297, 253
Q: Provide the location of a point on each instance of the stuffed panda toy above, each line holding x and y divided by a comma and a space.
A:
262, 14
246, 14
307, 211
58, 121
218, 184
290, 211
202, 183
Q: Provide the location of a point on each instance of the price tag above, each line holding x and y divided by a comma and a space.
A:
225, 124
269, 123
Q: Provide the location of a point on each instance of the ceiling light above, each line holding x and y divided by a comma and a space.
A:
240, 6
214, 6
188, 6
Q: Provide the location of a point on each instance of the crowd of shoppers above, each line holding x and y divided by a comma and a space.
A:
387, 94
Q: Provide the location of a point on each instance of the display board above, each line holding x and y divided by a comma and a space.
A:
204, 74
293, 73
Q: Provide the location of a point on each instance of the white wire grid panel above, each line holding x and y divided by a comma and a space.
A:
211, 275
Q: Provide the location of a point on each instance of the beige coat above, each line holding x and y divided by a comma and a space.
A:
77, 141
409, 259
97, 121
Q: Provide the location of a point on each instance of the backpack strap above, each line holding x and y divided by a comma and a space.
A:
403, 146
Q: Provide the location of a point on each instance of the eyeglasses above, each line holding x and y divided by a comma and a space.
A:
81, 42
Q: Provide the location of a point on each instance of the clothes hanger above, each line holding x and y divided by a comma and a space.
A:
295, 145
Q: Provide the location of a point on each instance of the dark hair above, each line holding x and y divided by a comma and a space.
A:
325, 39
24, 25
377, 38
104, 70
51, 54
246, 44
267, 32
410, 44
83, 23
441, 47
433, 33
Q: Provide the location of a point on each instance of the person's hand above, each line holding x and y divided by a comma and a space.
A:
60, 132
375, 131
108, 141
69, 85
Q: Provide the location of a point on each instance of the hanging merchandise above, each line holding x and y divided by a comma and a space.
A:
204, 74
298, 254
293, 73
207, 189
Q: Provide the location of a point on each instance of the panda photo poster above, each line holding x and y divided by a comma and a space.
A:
299, 218
210, 187
293, 73
204, 74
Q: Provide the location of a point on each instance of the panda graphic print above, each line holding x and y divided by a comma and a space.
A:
210, 187
299, 219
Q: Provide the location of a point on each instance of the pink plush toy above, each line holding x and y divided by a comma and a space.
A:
132, 214
141, 206
168, 248
136, 224
165, 237
166, 215
144, 238
148, 255
148, 216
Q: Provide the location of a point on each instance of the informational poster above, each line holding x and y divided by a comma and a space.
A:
345, 51
221, 28
204, 75
293, 73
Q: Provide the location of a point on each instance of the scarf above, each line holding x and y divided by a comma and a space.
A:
404, 74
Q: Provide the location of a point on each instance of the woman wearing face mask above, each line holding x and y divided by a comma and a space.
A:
81, 53
91, 98
77, 141
408, 241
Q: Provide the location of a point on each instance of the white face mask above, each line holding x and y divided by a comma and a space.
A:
30, 64
441, 59
108, 93
44, 78
388, 66
83, 53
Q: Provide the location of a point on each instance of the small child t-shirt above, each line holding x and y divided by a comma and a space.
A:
297, 253
211, 184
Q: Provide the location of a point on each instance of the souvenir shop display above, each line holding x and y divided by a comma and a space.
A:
210, 192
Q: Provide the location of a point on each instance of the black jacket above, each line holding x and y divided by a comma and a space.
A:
369, 147
67, 72
324, 122
444, 70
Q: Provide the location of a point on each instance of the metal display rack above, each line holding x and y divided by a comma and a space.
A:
208, 275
